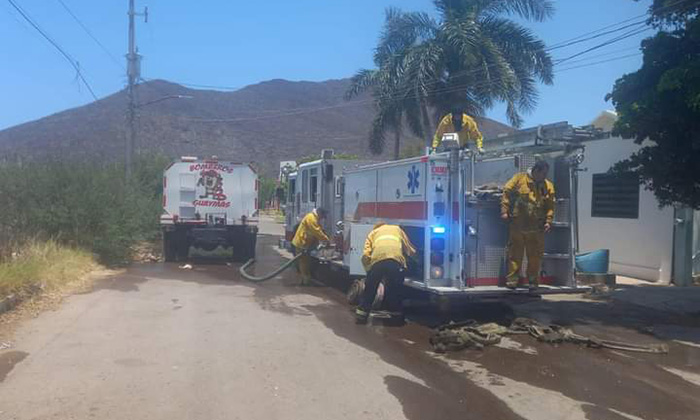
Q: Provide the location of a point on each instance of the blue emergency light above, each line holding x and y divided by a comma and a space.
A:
438, 229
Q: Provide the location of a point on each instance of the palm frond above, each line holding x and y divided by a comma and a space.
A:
361, 81
535, 10
520, 44
401, 30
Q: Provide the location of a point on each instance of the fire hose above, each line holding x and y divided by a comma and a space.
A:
269, 276
274, 273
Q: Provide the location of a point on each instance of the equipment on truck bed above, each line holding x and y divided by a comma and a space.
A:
209, 203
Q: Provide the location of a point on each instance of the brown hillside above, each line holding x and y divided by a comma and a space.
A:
263, 123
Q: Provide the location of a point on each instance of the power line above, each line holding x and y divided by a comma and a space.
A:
600, 62
65, 55
302, 111
401, 95
596, 36
645, 14
600, 55
89, 33
605, 44
394, 97
193, 85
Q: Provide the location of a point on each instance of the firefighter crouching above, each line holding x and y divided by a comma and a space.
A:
457, 121
528, 204
308, 235
384, 258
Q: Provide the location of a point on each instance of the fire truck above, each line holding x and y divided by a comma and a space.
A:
209, 203
448, 203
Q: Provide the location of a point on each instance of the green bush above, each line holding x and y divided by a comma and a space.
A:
83, 204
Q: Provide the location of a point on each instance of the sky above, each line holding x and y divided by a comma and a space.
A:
233, 43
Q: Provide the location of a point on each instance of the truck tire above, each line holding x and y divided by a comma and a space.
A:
169, 250
182, 245
252, 242
244, 247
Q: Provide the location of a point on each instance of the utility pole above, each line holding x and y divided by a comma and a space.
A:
133, 73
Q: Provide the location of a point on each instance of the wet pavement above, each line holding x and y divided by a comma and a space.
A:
161, 342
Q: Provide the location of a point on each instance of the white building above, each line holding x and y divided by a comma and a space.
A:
620, 215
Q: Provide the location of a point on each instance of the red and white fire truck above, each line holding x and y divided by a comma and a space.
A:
209, 203
449, 205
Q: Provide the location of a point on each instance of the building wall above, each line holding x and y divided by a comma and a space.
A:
640, 248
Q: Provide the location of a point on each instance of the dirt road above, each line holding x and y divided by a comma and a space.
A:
159, 342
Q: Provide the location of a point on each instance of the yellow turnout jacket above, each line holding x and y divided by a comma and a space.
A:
469, 131
309, 232
530, 204
386, 242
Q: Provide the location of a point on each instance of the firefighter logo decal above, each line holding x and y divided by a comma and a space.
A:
213, 185
413, 182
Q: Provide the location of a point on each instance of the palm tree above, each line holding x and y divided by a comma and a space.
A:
472, 56
393, 106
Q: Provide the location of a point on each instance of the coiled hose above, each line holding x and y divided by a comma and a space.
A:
260, 279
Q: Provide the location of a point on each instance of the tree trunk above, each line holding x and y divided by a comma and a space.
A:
397, 144
429, 132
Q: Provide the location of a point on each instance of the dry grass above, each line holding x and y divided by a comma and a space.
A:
43, 266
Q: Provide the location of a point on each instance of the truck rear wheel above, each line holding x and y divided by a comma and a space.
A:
183, 248
244, 248
169, 250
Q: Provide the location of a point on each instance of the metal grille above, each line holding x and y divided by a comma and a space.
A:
561, 211
615, 195
527, 161
491, 261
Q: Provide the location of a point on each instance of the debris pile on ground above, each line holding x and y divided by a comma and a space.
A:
470, 334
146, 252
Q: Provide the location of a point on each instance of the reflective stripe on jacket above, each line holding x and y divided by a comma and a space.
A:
469, 132
384, 243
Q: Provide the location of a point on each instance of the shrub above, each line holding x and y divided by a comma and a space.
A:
81, 204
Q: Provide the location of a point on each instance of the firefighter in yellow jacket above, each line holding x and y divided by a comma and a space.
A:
308, 235
459, 122
528, 204
384, 258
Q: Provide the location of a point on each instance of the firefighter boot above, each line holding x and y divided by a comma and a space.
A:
534, 283
361, 316
512, 282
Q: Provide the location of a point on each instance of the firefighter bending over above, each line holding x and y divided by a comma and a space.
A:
457, 121
384, 258
528, 203
308, 235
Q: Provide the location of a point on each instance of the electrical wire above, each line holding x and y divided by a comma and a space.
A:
302, 111
402, 96
605, 44
600, 62
643, 15
597, 36
65, 55
635, 48
90, 34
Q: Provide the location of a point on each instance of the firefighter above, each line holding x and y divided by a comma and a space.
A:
457, 121
384, 258
308, 235
528, 204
